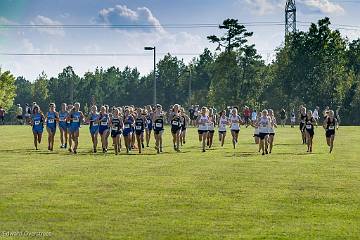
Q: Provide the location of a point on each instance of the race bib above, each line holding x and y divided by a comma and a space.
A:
95, 124
234, 126
114, 128
36, 122
127, 126
75, 120
175, 123
51, 121
104, 123
138, 127
159, 125
331, 127
62, 119
308, 126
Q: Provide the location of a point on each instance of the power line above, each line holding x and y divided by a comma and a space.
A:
94, 54
127, 26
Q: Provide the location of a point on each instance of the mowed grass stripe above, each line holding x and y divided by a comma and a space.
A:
224, 193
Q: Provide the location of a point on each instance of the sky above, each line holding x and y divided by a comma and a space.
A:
185, 43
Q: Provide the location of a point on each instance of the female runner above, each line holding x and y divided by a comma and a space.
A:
235, 121
104, 128
202, 122
51, 119
184, 123
271, 129
158, 127
223, 122
211, 128
128, 129
176, 127
75, 117
140, 122
302, 123
94, 126
264, 124
37, 123
149, 124
309, 130
116, 126
330, 125
63, 127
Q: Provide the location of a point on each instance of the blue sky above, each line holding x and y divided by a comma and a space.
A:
149, 12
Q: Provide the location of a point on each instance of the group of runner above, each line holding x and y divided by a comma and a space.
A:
135, 126
308, 122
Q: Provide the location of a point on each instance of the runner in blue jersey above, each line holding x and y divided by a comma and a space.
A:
63, 126
104, 128
75, 117
128, 129
94, 126
149, 124
69, 108
37, 123
51, 121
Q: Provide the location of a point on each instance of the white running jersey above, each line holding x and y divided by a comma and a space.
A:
211, 124
234, 120
222, 123
203, 123
256, 131
264, 124
271, 125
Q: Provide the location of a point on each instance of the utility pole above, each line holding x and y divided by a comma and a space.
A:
290, 17
153, 49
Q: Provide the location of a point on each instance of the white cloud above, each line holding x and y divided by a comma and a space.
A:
42, 20
5, 21
261, 7
122, 15
323, 6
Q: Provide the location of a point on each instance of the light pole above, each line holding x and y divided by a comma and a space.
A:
153, 49
189, 71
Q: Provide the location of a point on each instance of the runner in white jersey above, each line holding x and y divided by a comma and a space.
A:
211, 128
272, 125
256, 131
202, 122
235, 122
263, 123
223, 122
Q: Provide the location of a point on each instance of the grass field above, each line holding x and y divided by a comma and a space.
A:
220, 194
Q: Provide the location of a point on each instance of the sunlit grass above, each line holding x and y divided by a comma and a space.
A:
223, 193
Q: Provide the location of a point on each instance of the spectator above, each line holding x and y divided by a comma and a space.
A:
293, 118
247, 114
254, 116
27, 113
191, 115
316, 115
2, 115
283, 117
19, 114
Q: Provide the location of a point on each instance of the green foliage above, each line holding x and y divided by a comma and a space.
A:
7, 89
40, 92
317, 67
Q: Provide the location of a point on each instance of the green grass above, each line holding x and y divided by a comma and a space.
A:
224, 193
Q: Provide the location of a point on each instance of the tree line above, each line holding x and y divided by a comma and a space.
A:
317, 67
